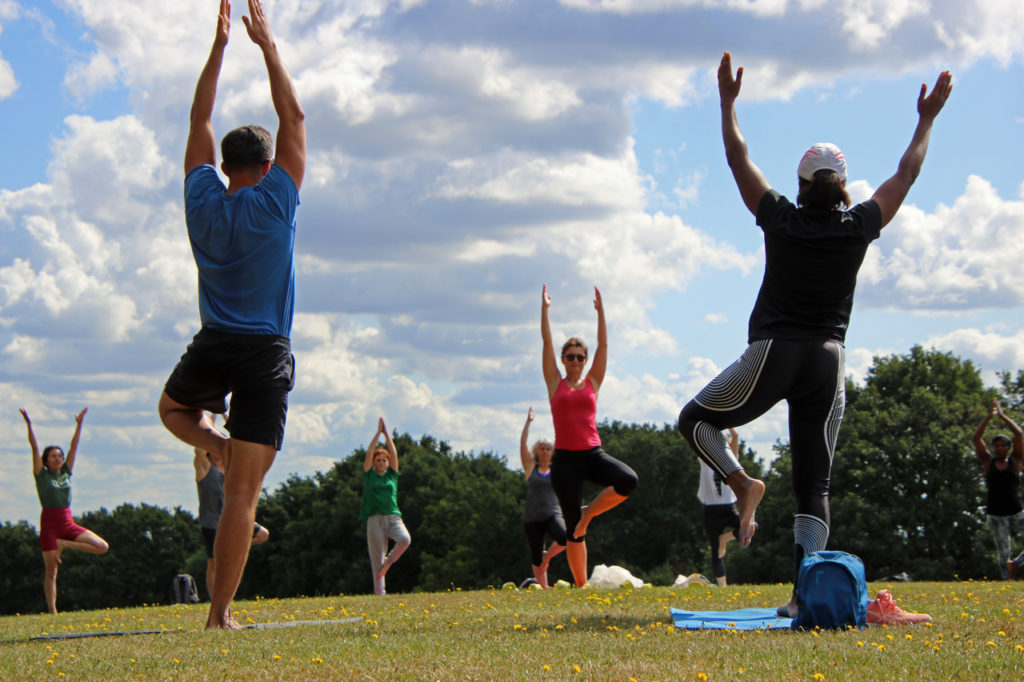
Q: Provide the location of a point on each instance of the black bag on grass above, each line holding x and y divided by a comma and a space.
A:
183, 590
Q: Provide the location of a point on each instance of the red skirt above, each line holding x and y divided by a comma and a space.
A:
57, 524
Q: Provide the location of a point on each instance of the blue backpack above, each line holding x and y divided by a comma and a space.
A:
831, 591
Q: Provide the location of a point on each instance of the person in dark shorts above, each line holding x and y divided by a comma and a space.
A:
1002, 468
721, 522
541, 513
57, 530
813, 251
210, 487
243, 239
578, 455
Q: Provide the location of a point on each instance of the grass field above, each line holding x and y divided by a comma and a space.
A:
978, 634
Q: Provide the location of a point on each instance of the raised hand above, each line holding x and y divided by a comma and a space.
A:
24, 416
729, 85
81, 415
529, 416
545, 298
929, 105
598, 304
223, 24
257, 26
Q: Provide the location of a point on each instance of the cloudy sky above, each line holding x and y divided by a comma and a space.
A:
463, 153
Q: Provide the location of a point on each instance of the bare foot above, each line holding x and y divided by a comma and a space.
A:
581, 527
749, 492
60, 549
788, 610
225, 621
383, 570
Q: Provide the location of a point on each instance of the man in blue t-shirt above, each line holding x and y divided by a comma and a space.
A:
242, 238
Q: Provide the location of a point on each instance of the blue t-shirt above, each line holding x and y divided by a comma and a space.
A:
244, 247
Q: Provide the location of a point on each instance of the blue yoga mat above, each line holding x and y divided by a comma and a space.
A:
740, 619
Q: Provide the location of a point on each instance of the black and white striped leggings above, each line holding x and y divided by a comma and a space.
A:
808, 374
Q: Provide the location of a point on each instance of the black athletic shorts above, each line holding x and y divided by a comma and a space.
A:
210, 535
258, 370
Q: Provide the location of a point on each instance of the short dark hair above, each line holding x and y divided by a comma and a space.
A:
826, 192
246, 147
574, 341
1005, 439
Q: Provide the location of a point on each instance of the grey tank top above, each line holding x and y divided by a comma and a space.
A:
541, 502
211, 498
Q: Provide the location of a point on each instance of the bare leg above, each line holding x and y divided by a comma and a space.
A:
87, 542
605, 500
50, 580
749, 492
191, 425
576, 554
211, 572
540, 573
723, 540
243, 482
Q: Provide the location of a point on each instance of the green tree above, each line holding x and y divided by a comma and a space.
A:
21, 581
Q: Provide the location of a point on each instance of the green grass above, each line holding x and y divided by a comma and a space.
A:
528, 635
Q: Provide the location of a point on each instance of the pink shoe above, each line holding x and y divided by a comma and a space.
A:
884, 611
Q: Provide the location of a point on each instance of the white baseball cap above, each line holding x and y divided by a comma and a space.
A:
822, 156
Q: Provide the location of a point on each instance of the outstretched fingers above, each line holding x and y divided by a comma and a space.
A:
256, 24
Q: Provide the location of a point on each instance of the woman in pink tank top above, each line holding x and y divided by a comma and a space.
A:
578, 455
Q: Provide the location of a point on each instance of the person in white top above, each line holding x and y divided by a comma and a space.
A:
720, 513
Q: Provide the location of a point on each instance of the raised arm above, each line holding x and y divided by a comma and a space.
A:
734, 441
1017, 453
524, 449
37, 459
980, 448
548, 360
890, 195
69, 461
290, 146
600, 362
368, 462
749, 178
392, 450
201, 147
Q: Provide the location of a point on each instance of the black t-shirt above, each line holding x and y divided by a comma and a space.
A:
1003, 490
811, 263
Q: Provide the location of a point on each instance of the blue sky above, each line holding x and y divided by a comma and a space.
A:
461, 155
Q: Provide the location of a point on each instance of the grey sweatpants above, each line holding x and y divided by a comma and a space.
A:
379, 529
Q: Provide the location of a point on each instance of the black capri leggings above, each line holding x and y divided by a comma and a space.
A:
570, 468
717, 518
553, 525
809, 375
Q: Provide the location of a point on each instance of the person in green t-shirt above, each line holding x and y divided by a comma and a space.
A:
380, 506
57, 530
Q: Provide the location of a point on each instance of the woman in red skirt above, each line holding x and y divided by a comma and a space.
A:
57, 530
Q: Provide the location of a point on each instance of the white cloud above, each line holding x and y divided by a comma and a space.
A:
963, 256
85, 80
989, 348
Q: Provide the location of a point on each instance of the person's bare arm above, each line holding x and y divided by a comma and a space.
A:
201, 147
37, 459
392, 450
524, 450
749, 178
548, 361
368, 461
734, 441
980, 448
290, 152
69, 461
890, 195
600, 363
1017, 452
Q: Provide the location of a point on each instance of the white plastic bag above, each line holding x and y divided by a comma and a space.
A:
611, 577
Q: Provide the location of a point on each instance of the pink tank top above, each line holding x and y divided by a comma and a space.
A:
575, 416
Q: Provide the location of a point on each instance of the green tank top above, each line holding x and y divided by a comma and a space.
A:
380, 493
54, 489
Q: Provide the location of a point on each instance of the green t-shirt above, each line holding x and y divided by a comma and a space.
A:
54, 489
380, 493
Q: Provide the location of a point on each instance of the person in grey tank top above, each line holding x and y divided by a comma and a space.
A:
210, 487
541, 513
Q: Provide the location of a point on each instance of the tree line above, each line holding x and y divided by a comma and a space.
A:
907, 496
